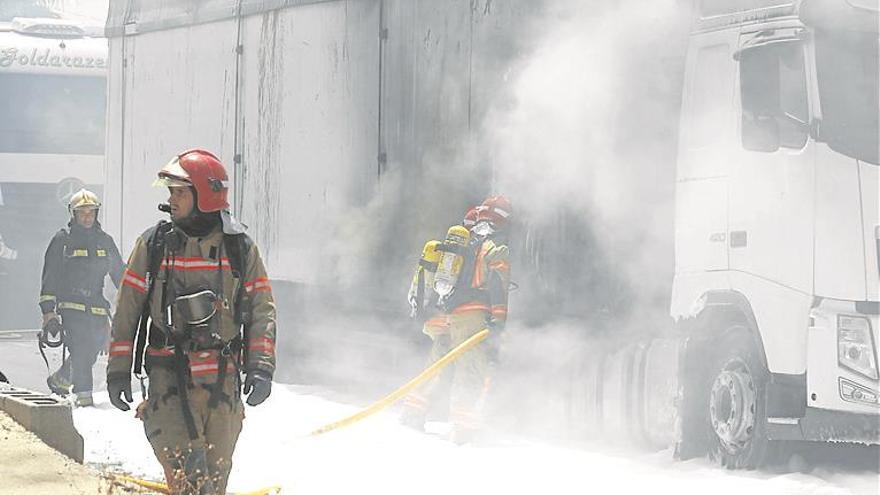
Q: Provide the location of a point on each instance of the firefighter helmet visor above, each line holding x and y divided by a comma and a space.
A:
168, 181
173, 175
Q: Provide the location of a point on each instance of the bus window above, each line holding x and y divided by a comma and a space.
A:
52, 114
10, 9
774, 97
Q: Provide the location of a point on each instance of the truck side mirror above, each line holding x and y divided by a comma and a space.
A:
760, 133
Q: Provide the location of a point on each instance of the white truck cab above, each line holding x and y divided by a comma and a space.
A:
776, 283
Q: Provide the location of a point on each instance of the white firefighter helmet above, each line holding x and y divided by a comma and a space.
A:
83, 200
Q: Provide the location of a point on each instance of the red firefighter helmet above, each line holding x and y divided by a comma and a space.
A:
470, 218
203, 171
495, 210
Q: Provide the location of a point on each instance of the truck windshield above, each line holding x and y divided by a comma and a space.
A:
52, 114
848, 90
10, 9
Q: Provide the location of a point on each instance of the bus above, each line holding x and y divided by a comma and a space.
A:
53, 74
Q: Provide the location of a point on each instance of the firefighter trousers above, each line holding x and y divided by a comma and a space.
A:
217, 428
85, 336
470, 373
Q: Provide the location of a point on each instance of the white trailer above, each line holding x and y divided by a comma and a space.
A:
52, 138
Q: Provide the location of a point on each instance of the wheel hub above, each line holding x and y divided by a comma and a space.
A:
732, 406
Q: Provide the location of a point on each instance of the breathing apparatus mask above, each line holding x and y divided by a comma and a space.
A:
193, 318
483, 229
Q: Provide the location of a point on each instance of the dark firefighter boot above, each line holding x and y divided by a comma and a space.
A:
58, 384
84, 399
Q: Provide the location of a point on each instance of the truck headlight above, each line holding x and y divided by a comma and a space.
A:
855, 345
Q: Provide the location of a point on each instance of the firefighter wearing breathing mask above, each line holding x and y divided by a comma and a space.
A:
195, 295
471, 283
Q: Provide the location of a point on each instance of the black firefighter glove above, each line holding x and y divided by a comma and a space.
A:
493, 341
119, 385
257, 386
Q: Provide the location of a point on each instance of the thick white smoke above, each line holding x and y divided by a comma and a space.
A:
590, 128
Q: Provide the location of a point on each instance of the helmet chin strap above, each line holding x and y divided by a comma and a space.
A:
198, 223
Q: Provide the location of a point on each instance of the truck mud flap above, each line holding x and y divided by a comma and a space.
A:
659, 381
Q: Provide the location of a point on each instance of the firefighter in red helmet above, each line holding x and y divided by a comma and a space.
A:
477, 300
195, 296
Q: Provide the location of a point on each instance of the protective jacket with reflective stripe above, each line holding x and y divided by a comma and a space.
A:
189, 264
483, 284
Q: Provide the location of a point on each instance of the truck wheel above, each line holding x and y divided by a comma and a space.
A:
736, 404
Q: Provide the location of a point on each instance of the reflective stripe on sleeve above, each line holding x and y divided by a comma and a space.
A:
121, 348
263, 344
134, 281
258, 285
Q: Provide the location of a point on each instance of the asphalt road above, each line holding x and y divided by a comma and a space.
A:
22, 364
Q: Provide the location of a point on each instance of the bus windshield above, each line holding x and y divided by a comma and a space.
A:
52, 114
848, 91
10, 9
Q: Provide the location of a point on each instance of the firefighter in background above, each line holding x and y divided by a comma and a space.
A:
477, 300
199, 286
72, 295
423, 301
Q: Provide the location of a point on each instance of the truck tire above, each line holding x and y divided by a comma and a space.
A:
736, 403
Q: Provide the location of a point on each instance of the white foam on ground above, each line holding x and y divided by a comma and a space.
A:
378, 455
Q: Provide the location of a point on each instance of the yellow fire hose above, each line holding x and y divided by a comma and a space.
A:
151, 485
393, 397
163, 488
